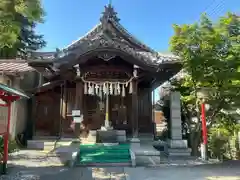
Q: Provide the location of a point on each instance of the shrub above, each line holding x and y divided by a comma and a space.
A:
12, 146
223, 142
218, 142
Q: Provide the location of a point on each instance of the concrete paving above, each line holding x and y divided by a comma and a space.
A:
226, 171
203, 172
35, 165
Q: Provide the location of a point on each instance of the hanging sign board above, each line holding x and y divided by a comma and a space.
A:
76, 113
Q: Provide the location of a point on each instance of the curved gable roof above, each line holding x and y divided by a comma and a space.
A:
112, 32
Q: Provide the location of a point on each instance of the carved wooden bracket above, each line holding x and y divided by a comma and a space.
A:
106, 56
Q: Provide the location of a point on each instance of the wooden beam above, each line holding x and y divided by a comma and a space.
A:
82, 59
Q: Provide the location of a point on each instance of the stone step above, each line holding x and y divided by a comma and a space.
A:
47, 144
119, 134
179, 152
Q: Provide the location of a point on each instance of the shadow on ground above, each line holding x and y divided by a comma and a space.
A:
63, 173
58, 156
225, 171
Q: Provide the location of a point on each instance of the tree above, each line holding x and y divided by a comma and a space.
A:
210, 54
18, 20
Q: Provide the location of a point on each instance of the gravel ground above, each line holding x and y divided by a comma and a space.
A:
35, 165
32, 158
203, 172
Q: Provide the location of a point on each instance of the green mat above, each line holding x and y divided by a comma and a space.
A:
99, 153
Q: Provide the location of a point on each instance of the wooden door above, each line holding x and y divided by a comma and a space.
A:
47, 115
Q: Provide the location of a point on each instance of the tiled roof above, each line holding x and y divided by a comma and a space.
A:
14, 66
119, 37
159, 58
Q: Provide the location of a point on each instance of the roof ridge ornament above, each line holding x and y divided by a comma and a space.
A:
109, 14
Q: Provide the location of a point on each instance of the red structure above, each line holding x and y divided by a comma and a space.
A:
204, 124
8, 95
204, 132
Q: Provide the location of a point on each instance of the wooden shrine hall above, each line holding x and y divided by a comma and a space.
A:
103, 81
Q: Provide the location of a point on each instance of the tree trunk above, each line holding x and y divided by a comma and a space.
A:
195, 139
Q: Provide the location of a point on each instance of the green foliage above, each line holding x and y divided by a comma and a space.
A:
12, 146
223, 141
18, 19
210, 54
218, 142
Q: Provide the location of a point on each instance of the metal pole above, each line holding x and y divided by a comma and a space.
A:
6, 139
204, 133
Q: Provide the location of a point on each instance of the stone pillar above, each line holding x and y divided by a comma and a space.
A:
176, 140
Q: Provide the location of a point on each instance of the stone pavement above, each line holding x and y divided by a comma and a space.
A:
226, 171
35, 165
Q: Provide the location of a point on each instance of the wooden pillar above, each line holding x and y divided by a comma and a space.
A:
78, 103
34, 115
65, 100
135, 109
61, 110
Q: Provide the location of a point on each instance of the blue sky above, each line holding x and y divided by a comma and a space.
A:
149, 20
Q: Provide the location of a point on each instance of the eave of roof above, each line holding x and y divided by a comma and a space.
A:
13, 91
46, 86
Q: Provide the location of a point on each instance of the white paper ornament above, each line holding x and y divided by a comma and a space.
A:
92, 89
107, 88
100, 91
130, 88
96, 89
111, 89
118, 89
104, 88
115, 90
123, 91
85, 88
89, 88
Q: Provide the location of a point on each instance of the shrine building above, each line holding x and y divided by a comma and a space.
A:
101, 82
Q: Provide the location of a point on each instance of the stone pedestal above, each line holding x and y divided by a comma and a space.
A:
109, 136
177, 144
120, 135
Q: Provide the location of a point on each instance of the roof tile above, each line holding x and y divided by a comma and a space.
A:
14, 66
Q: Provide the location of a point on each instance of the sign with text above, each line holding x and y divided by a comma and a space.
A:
76, 112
